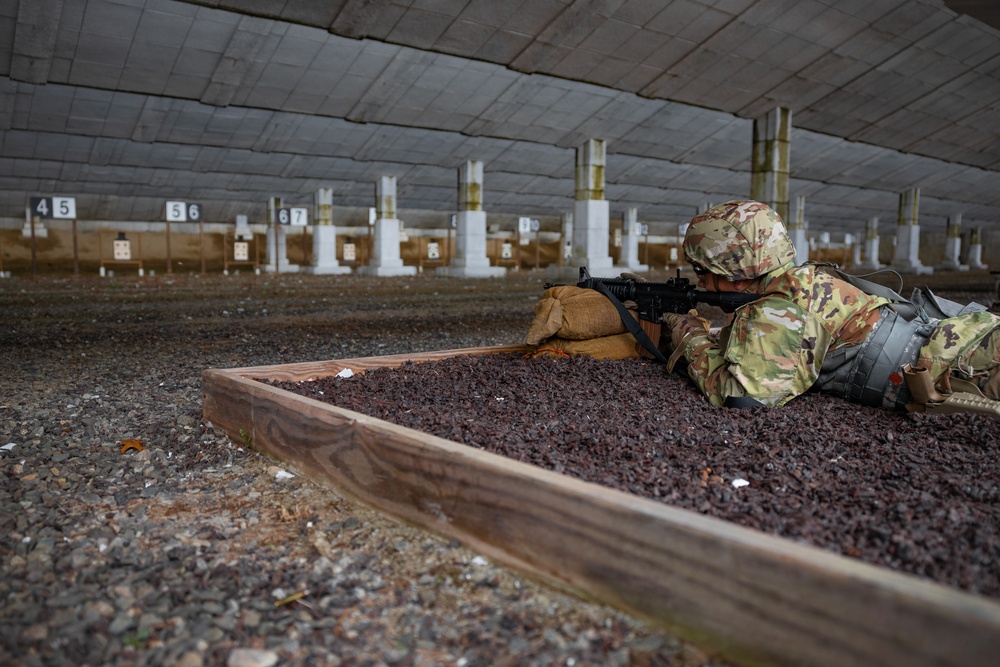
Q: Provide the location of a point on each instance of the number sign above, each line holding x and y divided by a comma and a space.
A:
296, 217
179, 211
54, 207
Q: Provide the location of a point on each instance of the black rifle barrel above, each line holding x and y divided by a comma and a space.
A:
676, 295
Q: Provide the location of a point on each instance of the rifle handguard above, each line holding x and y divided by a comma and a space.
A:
676, 295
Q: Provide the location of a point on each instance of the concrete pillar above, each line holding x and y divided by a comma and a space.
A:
771, 144
975, 258
277, 241
385, 259
591, 216
855, 250
870, 261
631, 231
797, 231
470, 259
953, 245
907, 256
324, 256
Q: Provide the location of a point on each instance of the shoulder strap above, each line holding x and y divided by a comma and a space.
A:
630, 322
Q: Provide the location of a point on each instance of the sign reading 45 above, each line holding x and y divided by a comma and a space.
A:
179, 211
54, 207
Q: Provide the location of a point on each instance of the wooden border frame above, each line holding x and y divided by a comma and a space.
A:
754, 597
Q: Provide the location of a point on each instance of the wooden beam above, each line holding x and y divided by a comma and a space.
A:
757, 598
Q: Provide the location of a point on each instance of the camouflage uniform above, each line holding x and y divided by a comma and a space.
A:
774, 348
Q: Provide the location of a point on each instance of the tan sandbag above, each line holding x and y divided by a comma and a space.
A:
574, 313
619, 346
547, 322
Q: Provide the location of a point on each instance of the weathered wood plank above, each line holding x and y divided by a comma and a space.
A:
314, 369
756, 597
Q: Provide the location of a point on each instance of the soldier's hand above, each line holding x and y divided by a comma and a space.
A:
634, 276
671, 320
683, 325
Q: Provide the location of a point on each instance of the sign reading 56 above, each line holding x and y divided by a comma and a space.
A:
53, 207
180, 211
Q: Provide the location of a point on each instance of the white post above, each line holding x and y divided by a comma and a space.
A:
797, 231
591, 216
631, 231
907, 255
324, 257
386, 259
953, 245
855, 249
870, 261
470, 259
975, 258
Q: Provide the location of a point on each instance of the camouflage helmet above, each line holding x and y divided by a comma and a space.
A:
739, 240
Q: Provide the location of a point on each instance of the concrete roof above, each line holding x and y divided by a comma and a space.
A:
126, 104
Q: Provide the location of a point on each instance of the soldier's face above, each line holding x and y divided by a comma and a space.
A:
711, 282
703, 275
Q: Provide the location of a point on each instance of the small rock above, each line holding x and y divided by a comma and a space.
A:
251, 618
121, 623
250, 657
36, 633
190, 659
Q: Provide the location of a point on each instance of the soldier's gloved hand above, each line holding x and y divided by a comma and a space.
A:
670, 320
682, 325
633, 276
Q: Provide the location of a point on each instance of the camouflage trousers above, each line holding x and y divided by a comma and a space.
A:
983, 365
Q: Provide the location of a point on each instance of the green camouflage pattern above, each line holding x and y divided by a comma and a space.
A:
739, 240
774, 348
963, 345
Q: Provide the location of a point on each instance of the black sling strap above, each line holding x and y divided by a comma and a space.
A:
630, 323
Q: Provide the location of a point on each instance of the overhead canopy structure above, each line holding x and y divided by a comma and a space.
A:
126, 105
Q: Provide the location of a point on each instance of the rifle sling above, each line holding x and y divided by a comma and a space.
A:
630, 322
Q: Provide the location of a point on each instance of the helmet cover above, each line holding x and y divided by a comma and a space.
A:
739, 240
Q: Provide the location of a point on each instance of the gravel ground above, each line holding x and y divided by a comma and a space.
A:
909, 492
132, 533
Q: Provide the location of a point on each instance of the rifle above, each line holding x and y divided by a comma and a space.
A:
676, 295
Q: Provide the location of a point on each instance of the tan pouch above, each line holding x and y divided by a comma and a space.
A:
949, 396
